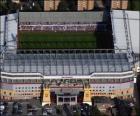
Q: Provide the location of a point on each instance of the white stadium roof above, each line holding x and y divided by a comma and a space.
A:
9, 28
61, 64
131, 19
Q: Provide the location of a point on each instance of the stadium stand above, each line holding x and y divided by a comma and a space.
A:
66, 64
60, 17
60, 21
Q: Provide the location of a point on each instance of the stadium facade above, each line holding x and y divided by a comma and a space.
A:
63, 76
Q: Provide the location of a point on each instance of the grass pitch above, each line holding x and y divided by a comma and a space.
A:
57, 40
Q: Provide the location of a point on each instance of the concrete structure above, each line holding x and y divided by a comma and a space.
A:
119, 4
28, 85
95, 74
69, 76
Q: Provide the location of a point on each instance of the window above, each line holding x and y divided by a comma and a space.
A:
60, 99
73, 99
66, 99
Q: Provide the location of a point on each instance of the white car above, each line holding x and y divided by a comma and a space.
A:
2, 107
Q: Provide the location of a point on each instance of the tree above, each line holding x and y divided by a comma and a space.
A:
3, 7
95, 111
72, 5
36, 7
63, 6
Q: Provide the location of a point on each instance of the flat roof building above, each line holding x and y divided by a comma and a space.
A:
119, 4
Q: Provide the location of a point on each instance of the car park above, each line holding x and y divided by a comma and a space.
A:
2, 107
44, 112
15, 108
29, 114
74, 109
19, 109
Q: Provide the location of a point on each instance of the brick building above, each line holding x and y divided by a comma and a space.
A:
51, 4
119, 4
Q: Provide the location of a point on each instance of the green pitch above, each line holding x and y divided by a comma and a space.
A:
57, 40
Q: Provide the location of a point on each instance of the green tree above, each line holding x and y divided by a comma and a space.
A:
63, 6
3, 7
95, 111
37, 7
72, 5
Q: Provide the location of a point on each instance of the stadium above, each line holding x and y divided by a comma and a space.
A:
55, 56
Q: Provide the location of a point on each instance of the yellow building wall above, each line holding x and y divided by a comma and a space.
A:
46, 96
124, 93
7, 94
87, 95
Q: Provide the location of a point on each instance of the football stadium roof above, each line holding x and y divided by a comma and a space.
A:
66, 63
126, 29
8, 31
61, 17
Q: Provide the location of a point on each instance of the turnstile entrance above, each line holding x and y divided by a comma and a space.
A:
66, 99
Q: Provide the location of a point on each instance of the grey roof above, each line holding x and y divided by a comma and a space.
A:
66, 64
126, 25
60, 17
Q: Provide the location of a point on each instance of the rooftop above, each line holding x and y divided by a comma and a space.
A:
125, 25
61, 17
66, 63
